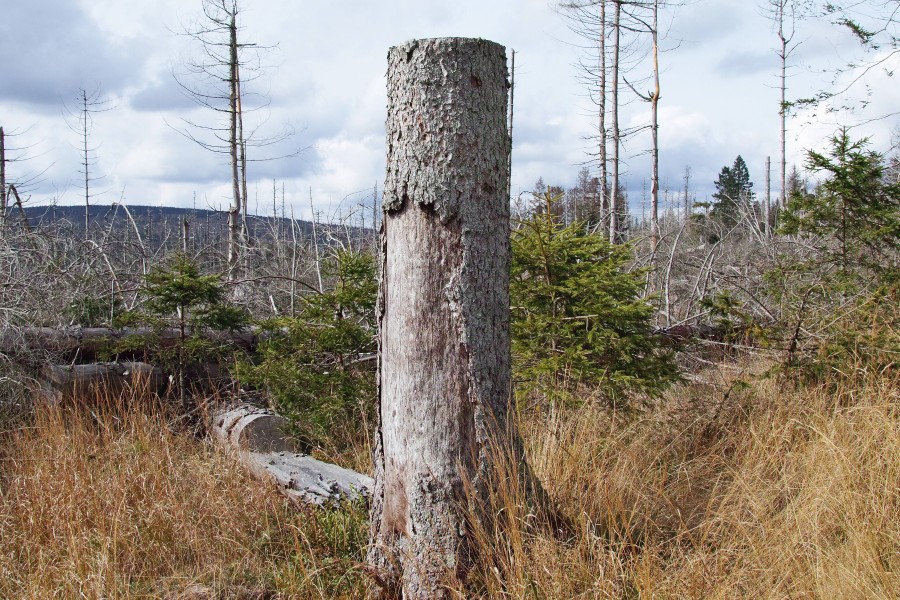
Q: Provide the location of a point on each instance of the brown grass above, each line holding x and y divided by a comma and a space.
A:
771, 495
764, 493
109, 500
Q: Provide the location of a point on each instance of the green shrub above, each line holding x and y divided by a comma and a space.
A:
840, 294
177, 295
310, 365
577, 313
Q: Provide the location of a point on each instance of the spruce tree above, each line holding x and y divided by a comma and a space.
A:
841, 286
577, 312
854, 215
733, 191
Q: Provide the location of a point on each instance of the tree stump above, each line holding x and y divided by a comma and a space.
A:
444, 379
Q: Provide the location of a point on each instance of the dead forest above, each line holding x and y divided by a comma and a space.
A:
449, 391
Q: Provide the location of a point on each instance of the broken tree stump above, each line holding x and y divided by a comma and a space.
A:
444, 380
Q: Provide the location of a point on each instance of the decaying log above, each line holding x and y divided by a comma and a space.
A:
252, 428
68, 381
264, 447
86, 342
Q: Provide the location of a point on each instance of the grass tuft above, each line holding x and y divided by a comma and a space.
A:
762, 492
772, 494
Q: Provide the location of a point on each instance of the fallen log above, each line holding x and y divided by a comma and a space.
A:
264, 447
70, 381
85, 343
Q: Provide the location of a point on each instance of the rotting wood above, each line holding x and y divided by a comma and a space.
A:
86, 343
70, 381
264, 447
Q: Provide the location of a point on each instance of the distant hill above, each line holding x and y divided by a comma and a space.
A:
163, 224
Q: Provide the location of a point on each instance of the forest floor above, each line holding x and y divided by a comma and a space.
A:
742, 488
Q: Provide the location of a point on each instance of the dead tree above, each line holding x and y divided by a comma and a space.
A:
444, 376
652, 97
614, 202
784, 14
80, 119
217, 80
2, 182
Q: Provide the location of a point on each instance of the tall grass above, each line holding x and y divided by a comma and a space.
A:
763, 493
108, 499
773, 495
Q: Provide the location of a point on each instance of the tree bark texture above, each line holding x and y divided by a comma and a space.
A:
444, 378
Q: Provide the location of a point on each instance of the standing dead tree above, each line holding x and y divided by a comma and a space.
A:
651, 26
13, 182
2, 181
443, 310
621, 33
217, 81
80, 119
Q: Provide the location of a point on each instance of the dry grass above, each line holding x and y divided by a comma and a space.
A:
765, 494
108, 500
769, 495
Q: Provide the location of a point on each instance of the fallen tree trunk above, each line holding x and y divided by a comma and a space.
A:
264, 447
259, 435
70, 381
85, 343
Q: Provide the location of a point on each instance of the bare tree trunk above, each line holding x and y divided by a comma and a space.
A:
234, 226
654, 131
444, 380
601, 98
512, 97
185, 235
768, 208
315, 236
614, 100
86, 163
782, 110
2, 183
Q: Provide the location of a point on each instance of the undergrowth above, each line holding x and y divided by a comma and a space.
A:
777, 494
108, 498
766, 492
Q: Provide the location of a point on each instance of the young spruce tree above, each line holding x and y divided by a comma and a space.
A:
841, 292
577, 313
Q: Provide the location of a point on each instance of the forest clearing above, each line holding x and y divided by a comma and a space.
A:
455, 390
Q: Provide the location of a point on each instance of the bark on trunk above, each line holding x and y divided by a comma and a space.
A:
444, 378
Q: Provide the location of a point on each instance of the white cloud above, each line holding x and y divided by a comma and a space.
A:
326, 80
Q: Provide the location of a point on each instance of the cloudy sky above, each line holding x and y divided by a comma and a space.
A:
324, 79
